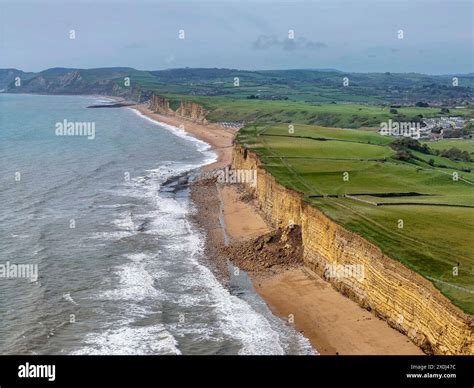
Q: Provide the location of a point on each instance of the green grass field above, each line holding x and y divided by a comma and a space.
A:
330, 115
352, 176
464, 145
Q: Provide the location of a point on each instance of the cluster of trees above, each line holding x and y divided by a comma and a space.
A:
455, 133
404, 143
422, 104
456, 154
266, 97
403, 155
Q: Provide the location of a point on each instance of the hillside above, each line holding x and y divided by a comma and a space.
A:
311, 86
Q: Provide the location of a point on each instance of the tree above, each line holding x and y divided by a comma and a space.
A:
409, 143
456, 154
421, 104
403, 155
393, 111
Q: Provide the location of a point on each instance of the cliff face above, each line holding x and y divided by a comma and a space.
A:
192, 111
160, 104
403, 298
7, 77
73, 82
187, 109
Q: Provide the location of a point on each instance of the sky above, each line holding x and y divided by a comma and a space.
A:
429, 36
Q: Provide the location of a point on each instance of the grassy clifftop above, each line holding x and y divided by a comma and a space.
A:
337, 115
417, 213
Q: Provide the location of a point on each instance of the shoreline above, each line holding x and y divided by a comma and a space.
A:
333, 323
219, 138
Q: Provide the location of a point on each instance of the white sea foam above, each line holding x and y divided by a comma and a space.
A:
125, 222
130, 340
113, 206
236, 317
201, 146
67, 296
135, 282
103, 100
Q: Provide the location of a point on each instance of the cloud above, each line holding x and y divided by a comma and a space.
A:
309, 44
265, 42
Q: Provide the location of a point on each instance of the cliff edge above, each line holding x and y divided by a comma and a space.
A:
187, 109
403, 298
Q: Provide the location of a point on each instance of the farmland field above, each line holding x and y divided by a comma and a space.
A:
462, 144
340, 115
420, 214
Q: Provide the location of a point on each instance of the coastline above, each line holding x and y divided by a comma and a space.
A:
333, 323
220, 139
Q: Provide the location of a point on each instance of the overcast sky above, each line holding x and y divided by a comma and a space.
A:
360, 36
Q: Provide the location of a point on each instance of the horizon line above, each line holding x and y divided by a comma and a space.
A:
325, 69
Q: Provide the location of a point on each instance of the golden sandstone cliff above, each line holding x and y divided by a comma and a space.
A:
192, 111
403, 298
160, 105
187, 109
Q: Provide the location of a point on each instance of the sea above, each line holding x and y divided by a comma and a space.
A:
98, 250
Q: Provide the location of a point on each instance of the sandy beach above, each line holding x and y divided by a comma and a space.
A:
333, 323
